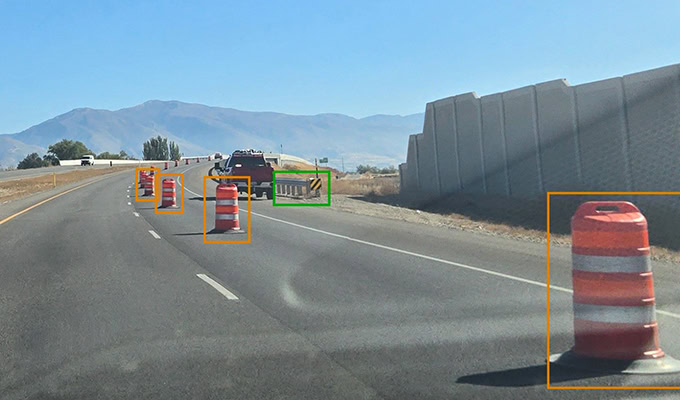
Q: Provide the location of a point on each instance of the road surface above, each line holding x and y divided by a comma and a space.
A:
102, 298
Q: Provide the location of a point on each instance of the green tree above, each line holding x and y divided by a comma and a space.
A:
32, 160
156, 149
107, 156
68, 150
123, 155
174, 151
389, 170
51, 159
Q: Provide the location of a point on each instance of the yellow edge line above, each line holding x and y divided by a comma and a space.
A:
46, 200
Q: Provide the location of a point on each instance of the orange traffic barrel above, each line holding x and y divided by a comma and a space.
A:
226, 208
148, 185
142, 178
615, 326
168, 193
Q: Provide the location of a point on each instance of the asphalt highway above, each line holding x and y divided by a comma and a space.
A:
102, 298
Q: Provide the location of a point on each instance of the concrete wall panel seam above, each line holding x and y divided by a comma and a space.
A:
505, 146
436, 158
415, 141
480, 122
626, 141
579, 174
541, 184
457, 142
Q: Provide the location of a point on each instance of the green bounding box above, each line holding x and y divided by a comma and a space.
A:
327, 204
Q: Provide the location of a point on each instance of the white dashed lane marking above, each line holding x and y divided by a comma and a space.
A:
154, 234
217, 287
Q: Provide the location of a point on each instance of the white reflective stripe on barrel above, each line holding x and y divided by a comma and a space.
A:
611, 264
168, 189
226, 216
226, 202
168, 198
615, 314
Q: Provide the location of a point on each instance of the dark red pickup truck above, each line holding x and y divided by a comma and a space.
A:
248, 163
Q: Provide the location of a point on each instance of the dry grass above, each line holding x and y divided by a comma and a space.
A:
375, 186
16, 189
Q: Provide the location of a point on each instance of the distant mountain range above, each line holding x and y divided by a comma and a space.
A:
198, 129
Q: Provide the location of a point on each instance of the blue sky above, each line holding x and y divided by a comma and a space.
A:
357, 58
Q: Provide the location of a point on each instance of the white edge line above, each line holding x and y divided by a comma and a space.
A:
410, 253
136, 214
154, 234
226, 293
455, 264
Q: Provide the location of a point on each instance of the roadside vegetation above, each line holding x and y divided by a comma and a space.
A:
66, 150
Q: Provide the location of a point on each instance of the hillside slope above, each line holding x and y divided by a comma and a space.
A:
201, 129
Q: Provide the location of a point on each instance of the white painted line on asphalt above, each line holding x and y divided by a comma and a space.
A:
410, 253
129, 203
136, 214
217, 287
154, 234
128, 196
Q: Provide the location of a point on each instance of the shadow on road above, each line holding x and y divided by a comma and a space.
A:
529, 376
211, 232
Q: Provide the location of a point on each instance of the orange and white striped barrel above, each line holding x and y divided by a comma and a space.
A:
615, 328
614, 305
149, 185
142, 178
226, 207
168, 194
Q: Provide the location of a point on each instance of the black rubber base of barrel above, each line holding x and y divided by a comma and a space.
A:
227, 231
663, 365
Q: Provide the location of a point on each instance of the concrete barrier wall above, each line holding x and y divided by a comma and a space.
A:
428, 178
653, 118
522, 141
469, 133
619, 134
447, 158
557, 133
493, 143
410, 176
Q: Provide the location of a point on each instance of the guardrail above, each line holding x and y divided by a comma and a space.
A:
294, 188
